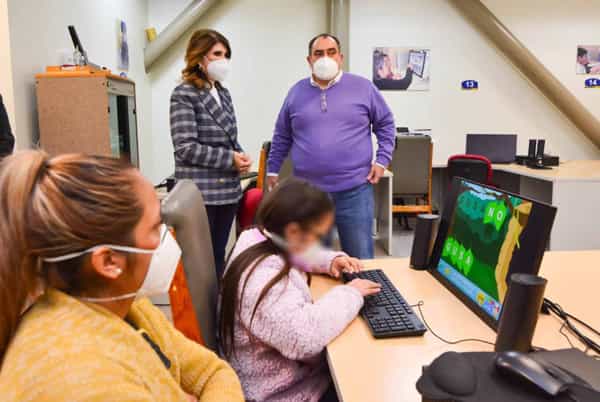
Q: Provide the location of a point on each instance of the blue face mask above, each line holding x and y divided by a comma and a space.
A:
306, 260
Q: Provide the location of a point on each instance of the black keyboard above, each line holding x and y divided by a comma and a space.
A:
387, 313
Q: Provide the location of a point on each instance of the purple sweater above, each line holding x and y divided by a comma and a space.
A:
280, 357
329, 132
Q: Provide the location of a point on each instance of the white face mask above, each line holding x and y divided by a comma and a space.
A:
305, 260
160, 271
325, 68
218, 69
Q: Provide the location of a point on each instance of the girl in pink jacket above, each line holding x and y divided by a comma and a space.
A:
270, 330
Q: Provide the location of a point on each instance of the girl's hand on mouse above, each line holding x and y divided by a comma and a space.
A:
365, 287
343, 263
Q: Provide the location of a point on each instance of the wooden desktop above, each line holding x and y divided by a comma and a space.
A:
366, 369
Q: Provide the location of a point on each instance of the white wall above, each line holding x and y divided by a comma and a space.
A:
506, 101
38, 31
269, 44
6, 83
552, 29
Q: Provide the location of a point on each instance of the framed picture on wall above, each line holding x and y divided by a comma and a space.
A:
401, 68
588, 59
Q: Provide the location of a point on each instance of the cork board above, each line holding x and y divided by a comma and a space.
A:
73, 115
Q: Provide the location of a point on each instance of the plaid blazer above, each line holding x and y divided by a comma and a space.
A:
204, 139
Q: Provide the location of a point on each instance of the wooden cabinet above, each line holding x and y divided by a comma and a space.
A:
88, 111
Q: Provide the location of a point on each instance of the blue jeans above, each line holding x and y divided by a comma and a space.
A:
354, 213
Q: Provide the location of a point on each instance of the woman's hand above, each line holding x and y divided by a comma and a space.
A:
242, 162
365, 287
343, 263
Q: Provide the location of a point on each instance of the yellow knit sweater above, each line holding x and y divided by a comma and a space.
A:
67, 350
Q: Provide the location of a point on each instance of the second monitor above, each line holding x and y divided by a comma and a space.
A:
498, 148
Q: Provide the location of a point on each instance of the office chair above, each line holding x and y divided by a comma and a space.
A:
247, 209
411, 165
194, 290
287, 169
473, 167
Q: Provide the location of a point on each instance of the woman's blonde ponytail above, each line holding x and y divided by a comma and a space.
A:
54, 206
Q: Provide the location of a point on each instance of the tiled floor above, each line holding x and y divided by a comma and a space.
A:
402, 240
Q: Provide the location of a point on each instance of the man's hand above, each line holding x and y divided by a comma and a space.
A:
343, 263
242, 162
375, 174
272, 182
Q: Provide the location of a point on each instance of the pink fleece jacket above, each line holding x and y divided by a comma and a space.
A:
280, 357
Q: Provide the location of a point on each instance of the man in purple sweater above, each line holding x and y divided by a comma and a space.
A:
326, 123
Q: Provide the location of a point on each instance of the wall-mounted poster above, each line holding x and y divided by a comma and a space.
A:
588, 59
123, 47
401, 68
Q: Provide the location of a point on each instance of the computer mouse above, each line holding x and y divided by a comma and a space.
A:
453, 373
522, 366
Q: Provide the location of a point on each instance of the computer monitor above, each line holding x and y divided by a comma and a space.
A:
416, 60
498, 148
77, 43
486, 235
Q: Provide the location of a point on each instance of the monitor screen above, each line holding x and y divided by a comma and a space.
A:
498, 148
486, 235
416, 60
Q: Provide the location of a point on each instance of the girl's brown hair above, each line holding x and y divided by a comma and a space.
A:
293, 200
200, 44
55, 206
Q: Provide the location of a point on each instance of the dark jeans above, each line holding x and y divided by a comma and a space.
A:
354, 213
220, 218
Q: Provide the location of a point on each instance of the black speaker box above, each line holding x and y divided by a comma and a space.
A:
541, 145
520, 311
531, 151
425, 233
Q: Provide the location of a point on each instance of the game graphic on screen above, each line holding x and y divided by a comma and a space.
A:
484, 232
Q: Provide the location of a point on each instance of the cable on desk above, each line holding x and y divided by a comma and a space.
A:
422, 303
568, 325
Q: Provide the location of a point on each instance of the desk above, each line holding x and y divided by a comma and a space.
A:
383, 211
573, 187
365, 369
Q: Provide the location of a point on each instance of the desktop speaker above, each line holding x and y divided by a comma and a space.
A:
541, 144
425, 233
520, 312
531, 151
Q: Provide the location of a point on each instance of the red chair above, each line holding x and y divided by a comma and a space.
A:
248, 207
477, 168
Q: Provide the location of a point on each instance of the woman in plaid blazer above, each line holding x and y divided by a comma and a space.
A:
204, 133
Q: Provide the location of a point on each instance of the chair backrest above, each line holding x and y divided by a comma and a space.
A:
473, 167
183, 209
411, 165
262, 165
287, 169
248, 207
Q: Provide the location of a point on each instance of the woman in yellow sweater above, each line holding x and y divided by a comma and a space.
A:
81, 241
